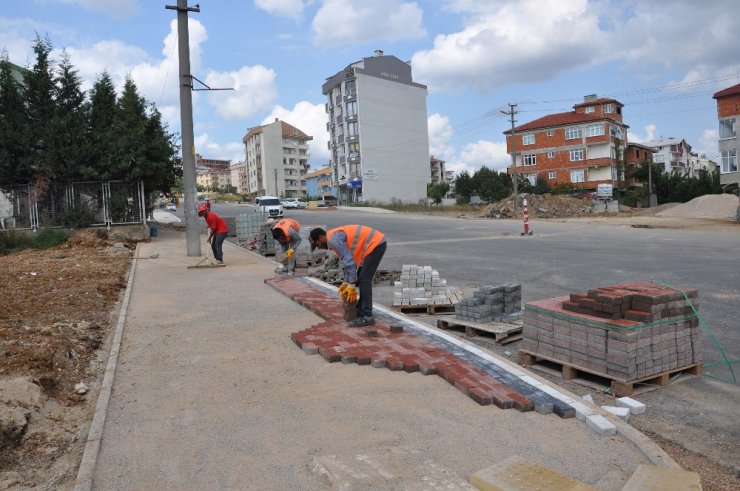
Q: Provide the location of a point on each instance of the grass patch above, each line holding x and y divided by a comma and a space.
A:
421, 207
14, 241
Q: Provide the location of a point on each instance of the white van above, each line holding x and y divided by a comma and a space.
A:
270, 205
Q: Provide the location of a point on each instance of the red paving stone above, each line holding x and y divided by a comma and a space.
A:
397, 351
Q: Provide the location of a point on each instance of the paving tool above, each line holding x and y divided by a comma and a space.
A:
210, 263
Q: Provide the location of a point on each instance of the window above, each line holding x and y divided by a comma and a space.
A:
659, 158
550, 132
729, 161
608, 108
550, 155
552, 174
532, 178
576, 154
616, 132
351, 108
572, 133
528, 139
590, 109
350, 87
576, 175
530, 159
351, 129
727, 128
595, 130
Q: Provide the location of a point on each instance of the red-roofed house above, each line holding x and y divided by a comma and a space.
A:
728, 110
577, 147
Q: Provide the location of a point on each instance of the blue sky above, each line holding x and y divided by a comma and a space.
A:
662, 59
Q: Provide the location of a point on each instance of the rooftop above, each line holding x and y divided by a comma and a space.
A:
559, 119
734, 90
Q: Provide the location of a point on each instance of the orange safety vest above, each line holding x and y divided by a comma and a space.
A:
285, 225
361, 240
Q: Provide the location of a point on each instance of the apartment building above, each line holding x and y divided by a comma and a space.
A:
378, 131
212, 174
239, 177
728, 111
277, 160
437, 168
673, 153
578, 147
319, 182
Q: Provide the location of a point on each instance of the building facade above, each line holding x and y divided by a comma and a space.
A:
378, 131
239, 177
728, 111
437, 168
580, 147
212, 174
673, 153
319, 183
277, 160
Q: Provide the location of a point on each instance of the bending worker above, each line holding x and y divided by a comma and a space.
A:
285, 232
360, 248
217, 230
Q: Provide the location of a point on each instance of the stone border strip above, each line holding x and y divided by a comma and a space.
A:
92, 446
650, 449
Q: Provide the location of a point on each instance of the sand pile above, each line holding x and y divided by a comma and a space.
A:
717, 206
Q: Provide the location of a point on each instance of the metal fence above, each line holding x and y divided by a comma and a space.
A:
79, 204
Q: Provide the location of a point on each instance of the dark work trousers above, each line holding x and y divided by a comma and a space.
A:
365, 279
217, 242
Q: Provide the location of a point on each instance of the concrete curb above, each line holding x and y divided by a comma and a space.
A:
92, 447
656, 455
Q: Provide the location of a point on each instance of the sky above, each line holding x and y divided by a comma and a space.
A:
662, 59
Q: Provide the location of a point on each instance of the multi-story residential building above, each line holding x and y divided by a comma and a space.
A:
239, 177
699, 163
580, 147
449, 176
378, 131
728, 111
277, 160
212, 174
673, 153
635, 156
319, 182
437, 167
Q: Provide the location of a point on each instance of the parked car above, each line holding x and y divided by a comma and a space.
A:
327, 200
294, 203
171, 207
270, 205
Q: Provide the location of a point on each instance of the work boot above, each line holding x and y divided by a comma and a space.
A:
362, 322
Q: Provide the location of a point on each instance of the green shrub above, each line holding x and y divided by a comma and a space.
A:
17, 240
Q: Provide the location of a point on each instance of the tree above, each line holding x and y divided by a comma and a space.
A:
464, 187
68, 142
40, 111
437, 191
99, 130
12, 128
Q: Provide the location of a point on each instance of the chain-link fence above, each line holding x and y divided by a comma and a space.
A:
79, 204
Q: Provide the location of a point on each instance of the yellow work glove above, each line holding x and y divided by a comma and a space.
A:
351, 294
342, 288
289, 254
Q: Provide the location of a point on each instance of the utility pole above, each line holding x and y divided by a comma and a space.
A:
512, 112
192, 231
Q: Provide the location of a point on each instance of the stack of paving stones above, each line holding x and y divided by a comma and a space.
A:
248, 225
401, 347
421, 285
502, 303
628, 332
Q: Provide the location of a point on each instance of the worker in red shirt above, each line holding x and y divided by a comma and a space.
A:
217, 229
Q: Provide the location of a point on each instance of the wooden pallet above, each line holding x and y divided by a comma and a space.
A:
619, 387
502, 332
425, 309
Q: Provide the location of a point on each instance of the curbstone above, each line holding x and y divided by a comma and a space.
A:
600, 425
635, 407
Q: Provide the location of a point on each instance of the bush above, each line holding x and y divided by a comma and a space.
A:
82, 216
14, 241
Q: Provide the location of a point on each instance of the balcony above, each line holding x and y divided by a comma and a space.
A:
353, 138
351, 118
338, 99
354, 156
350, 97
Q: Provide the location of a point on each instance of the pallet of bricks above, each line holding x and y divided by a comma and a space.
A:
631, 333
255, 232
421, 288
492, 303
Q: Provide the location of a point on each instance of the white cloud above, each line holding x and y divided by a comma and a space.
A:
649, 135
205, 146
284, 8
112, 8
709, 144
310, 119
358, 21
483, 152
511, 42
440, 132
254, 91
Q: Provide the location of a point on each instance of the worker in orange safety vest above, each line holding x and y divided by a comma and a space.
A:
285, 231
360, 248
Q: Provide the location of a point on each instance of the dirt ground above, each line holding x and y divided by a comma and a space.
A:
56, 308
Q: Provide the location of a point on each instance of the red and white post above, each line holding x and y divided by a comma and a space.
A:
525, 214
